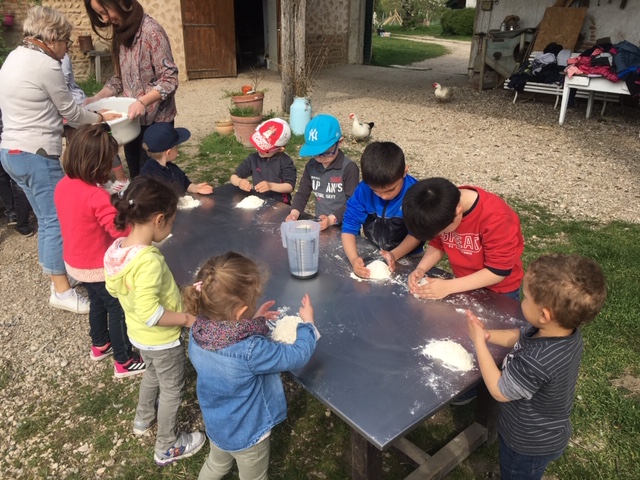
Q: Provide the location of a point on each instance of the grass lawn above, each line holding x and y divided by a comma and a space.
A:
433, 30
388, 51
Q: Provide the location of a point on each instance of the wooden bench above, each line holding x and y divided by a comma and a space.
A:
556, 89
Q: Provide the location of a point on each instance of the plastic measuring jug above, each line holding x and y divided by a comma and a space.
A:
302, 241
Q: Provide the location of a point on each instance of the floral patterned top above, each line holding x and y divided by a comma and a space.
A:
148, 65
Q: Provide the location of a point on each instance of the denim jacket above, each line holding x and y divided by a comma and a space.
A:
239, 387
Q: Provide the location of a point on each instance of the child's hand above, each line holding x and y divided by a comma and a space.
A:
204, 188
245, 185
475, 329
293, 216
359, 269
390, 258
306, 310
263, 187
324, 222
415, 277
264, 311
434, 289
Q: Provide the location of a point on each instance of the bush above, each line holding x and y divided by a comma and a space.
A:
458, 22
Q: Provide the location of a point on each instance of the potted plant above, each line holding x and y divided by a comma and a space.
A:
250, 96
245, 120
9, 19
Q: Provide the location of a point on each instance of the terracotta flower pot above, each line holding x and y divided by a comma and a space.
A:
9, 19
224, 127
254, 101
243, 127
85, 42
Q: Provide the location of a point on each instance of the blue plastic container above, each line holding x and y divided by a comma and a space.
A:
300, 114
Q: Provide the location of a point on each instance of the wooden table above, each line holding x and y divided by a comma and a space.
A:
592, 85
368, 367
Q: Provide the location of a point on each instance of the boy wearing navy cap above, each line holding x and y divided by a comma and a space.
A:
272, 171
330, 175
161, 140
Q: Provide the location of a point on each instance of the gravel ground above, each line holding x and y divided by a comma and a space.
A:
585, 169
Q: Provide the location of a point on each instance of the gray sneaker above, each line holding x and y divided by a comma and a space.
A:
186, 445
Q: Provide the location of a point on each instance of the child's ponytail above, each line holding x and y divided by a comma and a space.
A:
144, 198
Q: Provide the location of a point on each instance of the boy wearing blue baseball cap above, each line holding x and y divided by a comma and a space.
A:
161, 140
330, 175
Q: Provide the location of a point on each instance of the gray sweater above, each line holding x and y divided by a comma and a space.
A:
34, 100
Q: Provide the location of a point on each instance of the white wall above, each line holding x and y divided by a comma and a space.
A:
605, 20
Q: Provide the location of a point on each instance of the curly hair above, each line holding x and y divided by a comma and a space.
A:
572, 287
229, 282
46, 24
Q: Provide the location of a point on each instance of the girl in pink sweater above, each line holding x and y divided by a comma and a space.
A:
86, 222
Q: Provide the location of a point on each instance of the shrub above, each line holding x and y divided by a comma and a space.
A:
458, 22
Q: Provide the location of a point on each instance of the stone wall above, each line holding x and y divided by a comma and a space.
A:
328, 28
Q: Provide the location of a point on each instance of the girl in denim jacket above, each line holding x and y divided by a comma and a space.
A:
238, 365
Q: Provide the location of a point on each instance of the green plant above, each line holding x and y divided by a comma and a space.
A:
458, 22
389, 51
242, 111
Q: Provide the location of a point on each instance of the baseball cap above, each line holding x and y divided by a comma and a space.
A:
270, 134
161, 136
322, 132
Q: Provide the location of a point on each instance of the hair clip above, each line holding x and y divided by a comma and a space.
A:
198, 286
121, 194
131, 202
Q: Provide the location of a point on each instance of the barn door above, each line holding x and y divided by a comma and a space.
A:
209, 38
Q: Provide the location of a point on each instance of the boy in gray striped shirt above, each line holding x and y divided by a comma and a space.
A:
537, 382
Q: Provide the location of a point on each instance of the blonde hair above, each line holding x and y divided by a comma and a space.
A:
224, 284
46, 24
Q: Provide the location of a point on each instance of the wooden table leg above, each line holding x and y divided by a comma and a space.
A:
487, 412
366, 460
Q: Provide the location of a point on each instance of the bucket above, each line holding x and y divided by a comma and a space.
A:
299, 115
302, 241
123, 129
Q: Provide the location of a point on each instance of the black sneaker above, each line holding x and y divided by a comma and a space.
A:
11, 219
26, 231
465, 397
133, 366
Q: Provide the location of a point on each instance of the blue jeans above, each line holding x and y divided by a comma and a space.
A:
515, 466
106, 321
38, 177
515, 294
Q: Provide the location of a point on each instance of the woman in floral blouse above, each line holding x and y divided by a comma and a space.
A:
144, 67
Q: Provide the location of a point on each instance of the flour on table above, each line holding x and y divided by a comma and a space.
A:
286, 330
379, 270
251, 202
187, 202
452, 354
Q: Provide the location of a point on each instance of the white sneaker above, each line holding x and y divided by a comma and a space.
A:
186, 445
75, 303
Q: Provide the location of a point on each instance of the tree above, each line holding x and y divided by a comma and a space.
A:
293, 48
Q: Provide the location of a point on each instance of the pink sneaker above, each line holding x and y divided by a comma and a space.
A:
135, 366
98, 353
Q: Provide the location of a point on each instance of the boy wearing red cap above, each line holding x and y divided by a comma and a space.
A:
272, 171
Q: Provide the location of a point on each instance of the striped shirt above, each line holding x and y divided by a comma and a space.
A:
539, 378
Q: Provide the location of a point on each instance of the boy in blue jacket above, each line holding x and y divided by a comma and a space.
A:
376, 207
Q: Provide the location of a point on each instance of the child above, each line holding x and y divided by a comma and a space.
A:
477, 230
86, 223
239, 387
537, 382
272, 171
376, 207
121, 180
162, 140
330, 175
137, 274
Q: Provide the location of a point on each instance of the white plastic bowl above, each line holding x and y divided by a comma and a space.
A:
123, 129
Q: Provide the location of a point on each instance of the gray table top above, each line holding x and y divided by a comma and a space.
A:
368, 367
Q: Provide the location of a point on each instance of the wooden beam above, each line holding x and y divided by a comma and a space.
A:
449, 456
366, 460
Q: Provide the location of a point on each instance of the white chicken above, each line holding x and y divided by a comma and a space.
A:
443, 94
360, 130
